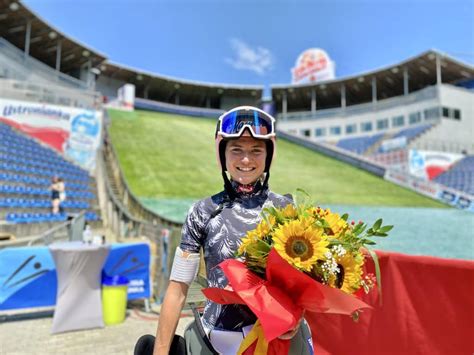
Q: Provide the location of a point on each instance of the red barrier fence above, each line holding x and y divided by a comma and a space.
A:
427, 308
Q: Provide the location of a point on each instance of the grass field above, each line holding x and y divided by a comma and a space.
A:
170, 156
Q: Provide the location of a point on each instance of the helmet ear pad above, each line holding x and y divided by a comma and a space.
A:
268, 160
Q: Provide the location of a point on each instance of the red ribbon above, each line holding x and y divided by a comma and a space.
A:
280, 300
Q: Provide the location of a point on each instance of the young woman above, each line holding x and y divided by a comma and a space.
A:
245, 147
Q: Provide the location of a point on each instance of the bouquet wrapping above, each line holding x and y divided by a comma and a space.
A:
299, 261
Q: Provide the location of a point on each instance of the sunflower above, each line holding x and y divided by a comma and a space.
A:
290, 212
336, 223
249, 238
300, 243
350, 274
263, 229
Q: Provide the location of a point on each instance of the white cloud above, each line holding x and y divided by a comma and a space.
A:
257, 59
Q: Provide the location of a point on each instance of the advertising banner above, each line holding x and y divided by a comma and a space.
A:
436, 191
427, 165
426, 188
457, 199
74, 132
28, 274
27, 278
133, 262
393, 144
313, 65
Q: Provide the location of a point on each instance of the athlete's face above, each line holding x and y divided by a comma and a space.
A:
245, 159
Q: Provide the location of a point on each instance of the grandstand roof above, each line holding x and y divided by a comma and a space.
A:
14, 18
164, 87
44, 39
421, 71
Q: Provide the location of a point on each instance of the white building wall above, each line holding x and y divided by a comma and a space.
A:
426, 99
451, 134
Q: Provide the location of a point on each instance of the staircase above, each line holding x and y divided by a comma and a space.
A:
374, 147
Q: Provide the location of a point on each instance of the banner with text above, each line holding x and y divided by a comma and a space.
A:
74, 132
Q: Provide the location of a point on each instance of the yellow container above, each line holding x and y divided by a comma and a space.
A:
114, 303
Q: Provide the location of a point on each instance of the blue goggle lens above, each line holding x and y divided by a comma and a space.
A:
260, 124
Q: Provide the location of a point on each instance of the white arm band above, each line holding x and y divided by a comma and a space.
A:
185, 268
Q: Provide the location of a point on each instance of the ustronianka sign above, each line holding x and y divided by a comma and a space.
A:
74, 132
313, 65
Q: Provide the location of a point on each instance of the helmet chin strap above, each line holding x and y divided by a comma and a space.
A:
228, 186
230, 189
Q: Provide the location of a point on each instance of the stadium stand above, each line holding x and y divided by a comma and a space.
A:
460, 176
26, 168
359, 144
412, 132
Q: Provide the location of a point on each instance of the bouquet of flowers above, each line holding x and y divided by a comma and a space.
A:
299, 260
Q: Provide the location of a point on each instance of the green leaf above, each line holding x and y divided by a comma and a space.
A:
380, 234
359, 228
301, 197
368, 242
377, 224
345, 216
324, 224
385, 229
377, 273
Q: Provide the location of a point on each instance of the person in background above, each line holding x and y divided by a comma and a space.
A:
62, 194
55, 194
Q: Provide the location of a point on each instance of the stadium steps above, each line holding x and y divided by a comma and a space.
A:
113, 174
374, 147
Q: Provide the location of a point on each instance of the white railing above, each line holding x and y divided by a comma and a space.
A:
15, 64
48, 93
418, 96
443, 146
177, 109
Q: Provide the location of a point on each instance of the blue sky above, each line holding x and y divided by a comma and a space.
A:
258, 41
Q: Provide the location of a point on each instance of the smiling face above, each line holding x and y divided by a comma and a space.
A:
245, 159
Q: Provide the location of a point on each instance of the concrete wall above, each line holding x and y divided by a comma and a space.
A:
108, 86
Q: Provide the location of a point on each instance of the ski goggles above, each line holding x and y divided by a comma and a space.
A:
233, 123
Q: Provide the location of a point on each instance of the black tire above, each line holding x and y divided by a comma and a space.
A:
146, 343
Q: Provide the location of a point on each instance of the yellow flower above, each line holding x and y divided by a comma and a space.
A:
318, 211
263, 228
350, 273
299, 244
243, 245
336, 223
290, 211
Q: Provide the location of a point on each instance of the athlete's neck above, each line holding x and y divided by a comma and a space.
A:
246, 189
